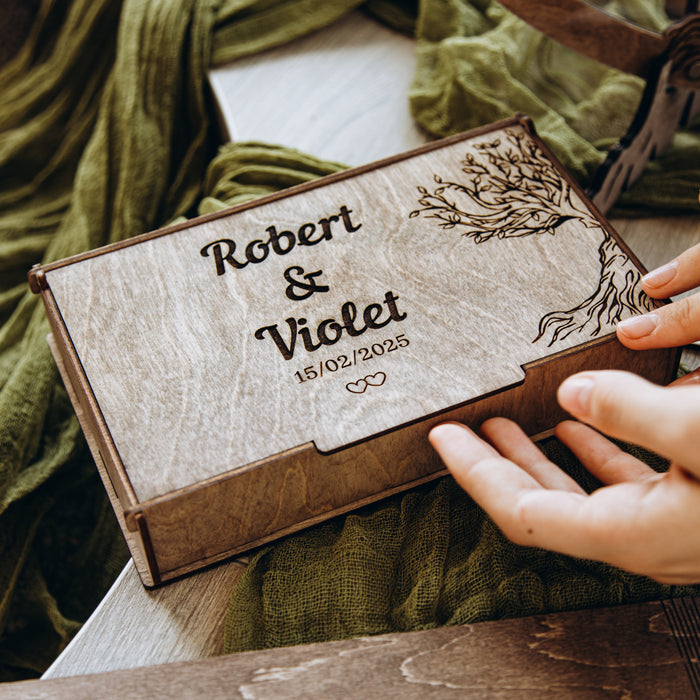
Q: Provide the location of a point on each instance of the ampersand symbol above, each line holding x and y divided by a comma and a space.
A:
307, 287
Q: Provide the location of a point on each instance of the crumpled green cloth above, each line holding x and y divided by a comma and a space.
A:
106, 132
478, 63
425, 559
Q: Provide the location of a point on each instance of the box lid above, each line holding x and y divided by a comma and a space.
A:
336, 311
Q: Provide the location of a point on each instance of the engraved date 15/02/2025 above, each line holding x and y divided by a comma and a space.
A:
330, 366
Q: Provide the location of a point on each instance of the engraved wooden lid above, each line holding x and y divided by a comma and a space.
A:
342, 309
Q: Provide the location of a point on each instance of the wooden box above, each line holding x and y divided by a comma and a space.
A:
249, 373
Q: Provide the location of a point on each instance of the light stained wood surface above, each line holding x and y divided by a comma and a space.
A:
124, 631
199, 368
135, 627
340, 93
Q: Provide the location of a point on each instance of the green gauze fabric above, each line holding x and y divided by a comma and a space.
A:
104, 133
421, 560
478, 63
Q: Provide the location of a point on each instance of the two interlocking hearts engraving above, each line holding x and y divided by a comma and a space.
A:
360, 386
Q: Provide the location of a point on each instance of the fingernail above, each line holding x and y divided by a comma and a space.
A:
575, 394
661, 275
639, 326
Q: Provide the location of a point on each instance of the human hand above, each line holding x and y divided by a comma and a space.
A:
672, 325
641, 521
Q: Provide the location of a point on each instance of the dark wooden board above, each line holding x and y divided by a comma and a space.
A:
634, 652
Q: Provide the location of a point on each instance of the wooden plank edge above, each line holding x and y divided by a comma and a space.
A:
630, 651
84, 400
170, 575
231, 488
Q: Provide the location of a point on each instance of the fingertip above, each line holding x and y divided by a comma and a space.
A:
435, 435
656, 280
628, 407
443, 428
566, 427
637, 328
493, 425
445, 434
459, 447
628, 342
574, 394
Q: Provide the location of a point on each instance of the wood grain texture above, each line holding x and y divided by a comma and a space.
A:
340, 93
181, 353
249, 507
137, 627
625, 653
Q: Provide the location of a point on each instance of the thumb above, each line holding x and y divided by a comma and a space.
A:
622, 405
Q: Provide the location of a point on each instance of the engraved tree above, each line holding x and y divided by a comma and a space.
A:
512, 190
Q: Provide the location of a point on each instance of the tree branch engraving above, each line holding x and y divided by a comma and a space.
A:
512, 190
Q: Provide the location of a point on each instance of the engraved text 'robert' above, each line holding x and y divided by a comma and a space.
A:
279, 242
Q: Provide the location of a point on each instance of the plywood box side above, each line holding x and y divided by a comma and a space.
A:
250, 507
